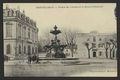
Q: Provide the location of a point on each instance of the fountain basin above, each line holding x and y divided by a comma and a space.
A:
44, 58
64, 61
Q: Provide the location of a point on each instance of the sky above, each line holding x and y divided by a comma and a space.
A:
85, 17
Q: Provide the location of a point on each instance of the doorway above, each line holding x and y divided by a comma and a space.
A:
94, 54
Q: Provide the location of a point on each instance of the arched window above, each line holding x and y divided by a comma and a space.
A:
19, 49
8, 49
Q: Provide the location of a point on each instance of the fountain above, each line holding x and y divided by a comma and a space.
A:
56, 45
55, 51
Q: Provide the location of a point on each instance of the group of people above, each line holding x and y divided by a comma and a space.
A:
33, 58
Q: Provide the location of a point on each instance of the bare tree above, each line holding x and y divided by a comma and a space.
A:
47, 38
69, 36
44, 40
111, 49
114, 44
106, 46
89, 47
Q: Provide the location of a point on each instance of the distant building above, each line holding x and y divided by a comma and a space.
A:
20, 34
97, 41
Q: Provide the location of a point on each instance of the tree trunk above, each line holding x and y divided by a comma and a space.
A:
106, 53
113, 56
72, 52
116, 54
110, 54
89, 54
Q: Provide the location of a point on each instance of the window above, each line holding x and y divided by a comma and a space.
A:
94, 39
19, 49
88, 39
8, 49
24, 50
67, 50
100, 39
8, 13
12, 12
19, 14
4, 12
100, 45
29, 50
100, 53
19, 30
93, 45
22, 16
8, 29
24, 32
32, 34
29, 33
36, 50
32, 50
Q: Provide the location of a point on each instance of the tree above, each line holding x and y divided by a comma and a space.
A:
69, 36
114, 43
47, 38
106, 46
89, 47
111, 49
40, 47
44, 40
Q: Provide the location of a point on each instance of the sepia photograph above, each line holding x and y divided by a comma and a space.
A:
60, 39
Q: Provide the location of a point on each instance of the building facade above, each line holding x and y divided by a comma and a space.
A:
97, 43
20, 34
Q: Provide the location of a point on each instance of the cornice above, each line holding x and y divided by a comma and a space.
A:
20, 21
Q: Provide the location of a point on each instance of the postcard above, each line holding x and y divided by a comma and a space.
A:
60, 39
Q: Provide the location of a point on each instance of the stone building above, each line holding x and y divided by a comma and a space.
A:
97, 42
20, 34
